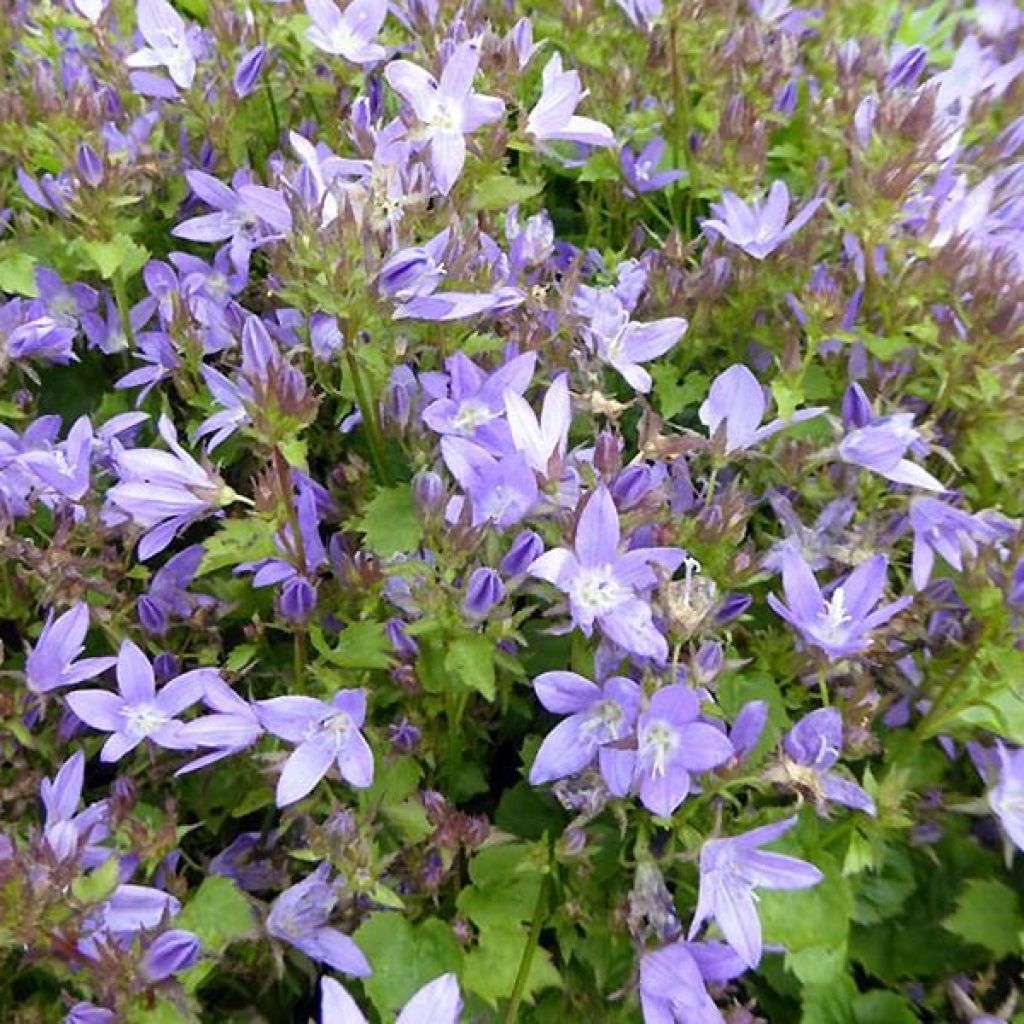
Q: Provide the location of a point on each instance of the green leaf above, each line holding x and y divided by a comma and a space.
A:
97, 885
404, 956
818, 965
219, 913
883, 1008
499, 192
808, 918
471, 661
391, 523
829, 1004
163, 1011
18, 274
120, 255
987, 914
360, 645
788, 396
238, 541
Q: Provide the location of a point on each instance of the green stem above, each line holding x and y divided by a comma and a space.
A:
123, 309
526, 960
272, 103
369, 414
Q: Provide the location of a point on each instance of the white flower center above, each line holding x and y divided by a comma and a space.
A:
605, 722
470, 416
657, 743
445, 117
144, 719
597, 591
336, 729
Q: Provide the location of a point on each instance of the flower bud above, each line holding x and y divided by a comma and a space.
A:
152, 616
89, 164
247, 74
166, 666
857, 411
483, 592
429, 492
176, 950
525, 550
297, 600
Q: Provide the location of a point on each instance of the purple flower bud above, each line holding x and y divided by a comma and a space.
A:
166, 666
404, 736
857, 411
525, 550
428, 490
607, 455
906, 68
174, 951
89, 164
709, 661
631, 486
86, 1013
785, 102
152, 616
848, 56
307, 189
404, 645
483, 592
324, 337
247, 74
732, 607
747, 728
297, 599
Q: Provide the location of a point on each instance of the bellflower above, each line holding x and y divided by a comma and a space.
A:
501, 491
673, 979
474, 402
1006, 798
65, 828
65, 469
881, 447
603, 585
232, 726
447, 110
137, 711
164, 492
597, 716
169, 42
52, 662
554, 118
171, 952
350, 34
812, 748
299, 917
437, 1002
620, 342
839, 625
671, 743
736, 401
168, 595
641, 169
730, 871
940, 529
543, 442
758, 230
324, 734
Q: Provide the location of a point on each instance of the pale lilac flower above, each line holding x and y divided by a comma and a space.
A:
597, 716
66, 829
622, 343
299, 917
543, 442
168, 596
671, 743
1006, 798
642, 12
324, 734
437, 1002
233, 726
730, 871
672, 982
91, 10
881, 447
447, 110
641, 169
137, 711
554, 118
136, 908
164, 492
350, 34
501, 491
736, 401
88, 1013
812, 747
65, 468
603, 585
841, 624
758, 230
52, 662
951, 533
169, 41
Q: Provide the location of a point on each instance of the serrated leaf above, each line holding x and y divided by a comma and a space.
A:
238, 541
499, 192
120, 255
98, 885
471, 661
360, 645
219, 913
18, 275
883, 1008
390, 523
987, 914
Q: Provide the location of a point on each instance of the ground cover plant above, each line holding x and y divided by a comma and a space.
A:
511, 512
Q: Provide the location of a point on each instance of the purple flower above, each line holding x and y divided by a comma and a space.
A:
501, 491
437, 1002
641, 169
620, 342
730, 871
447, 110
65, 830
171, 952
841, 624
758, 230
672, 982
299, 917
350, 35
603, 585
168, 595
51, 663
170, 42
164, 492
812, 748
137, 712
671, 743
543, 442
1006, 798
324, 734
232, 727
881, 447
597, 716
88, 1013
554, 118
736, 401
940, 529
